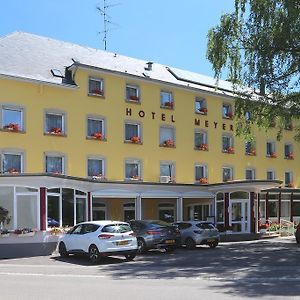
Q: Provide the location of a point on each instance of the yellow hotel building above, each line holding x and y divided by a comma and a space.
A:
87, 134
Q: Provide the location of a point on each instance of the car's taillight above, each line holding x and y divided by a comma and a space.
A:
153, 232
105, 236
198, 231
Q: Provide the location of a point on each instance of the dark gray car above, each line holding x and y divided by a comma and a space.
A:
157, 234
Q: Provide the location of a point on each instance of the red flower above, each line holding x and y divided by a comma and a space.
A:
203, 109
169, 143
203, 180
55, 130
12, 127
135, 139
135, 98
98, 135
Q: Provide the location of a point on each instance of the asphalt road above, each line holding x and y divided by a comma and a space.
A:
265, 269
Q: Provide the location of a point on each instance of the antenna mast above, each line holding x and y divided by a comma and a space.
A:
106, 20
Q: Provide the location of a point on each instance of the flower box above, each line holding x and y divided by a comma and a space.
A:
251, 152
135, 177
230, 150
203, 147
97, 92
203, 180
135, 139
12, 127
229, 115
273, 155
97, 135
168, 104
203, 110
134, 98
169, 143
290, 156
98, 177
291, 185
55, 130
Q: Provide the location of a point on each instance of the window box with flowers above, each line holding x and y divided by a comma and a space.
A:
263, 228
55, 131
13, 171
228, 115
98, 177
98, 136
135, 140
203, 147
251, 152
203, 180
134, 98
202, 110
229, 150
272, 155
168, 105
135, 177
168, 143
97, 92
290, 156
13, 127
290, 185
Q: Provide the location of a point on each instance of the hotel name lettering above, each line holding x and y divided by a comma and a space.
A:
170, 118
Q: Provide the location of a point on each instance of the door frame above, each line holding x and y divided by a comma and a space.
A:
245, 210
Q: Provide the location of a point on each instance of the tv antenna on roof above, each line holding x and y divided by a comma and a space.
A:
106, 20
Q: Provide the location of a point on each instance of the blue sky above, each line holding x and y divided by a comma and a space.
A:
170, 32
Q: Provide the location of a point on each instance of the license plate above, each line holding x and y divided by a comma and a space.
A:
121, 243
170, 241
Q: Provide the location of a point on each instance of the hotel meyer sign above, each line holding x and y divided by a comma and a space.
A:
163, 117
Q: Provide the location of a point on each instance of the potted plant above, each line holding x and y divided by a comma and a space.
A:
55, 130
97, 135
169, 104
135, 139
169, 143
230, 150
203, 147
203, 180
12, 127
203, 110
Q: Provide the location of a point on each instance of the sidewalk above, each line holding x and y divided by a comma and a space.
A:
246, 237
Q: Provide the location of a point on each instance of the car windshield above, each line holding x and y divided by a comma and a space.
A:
117, 228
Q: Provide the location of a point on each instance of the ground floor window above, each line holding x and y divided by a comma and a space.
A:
199, 212
166, 212
98, 210
129, 211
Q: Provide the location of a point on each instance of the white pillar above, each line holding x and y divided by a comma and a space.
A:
138, 207
179, 209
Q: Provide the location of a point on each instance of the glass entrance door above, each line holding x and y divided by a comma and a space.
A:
239, 216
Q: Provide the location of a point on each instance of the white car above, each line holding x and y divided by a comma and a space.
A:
99, 238
198, 233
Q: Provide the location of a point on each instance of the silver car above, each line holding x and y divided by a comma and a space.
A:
198, 233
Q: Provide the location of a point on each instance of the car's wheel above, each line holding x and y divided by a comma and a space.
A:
190, 243
62, 250
130, 257
213, 244
141, 245
94, 254
170, 249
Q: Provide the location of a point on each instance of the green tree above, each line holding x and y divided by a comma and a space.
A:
259, 45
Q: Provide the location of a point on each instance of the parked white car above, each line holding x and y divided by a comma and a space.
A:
198, 233
99, 238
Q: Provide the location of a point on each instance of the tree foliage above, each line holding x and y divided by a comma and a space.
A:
259, 45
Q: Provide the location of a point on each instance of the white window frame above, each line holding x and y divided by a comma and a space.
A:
59, 155
96, 176
139, 130
11, 152
231, 173
135, 98
291, 175
172, 129
273, 148
164, 102
291, 150
205, 171
139, 166
18, 109
205, 139
63, 120
227, 110
273, 174
103, 125
231, 142
253, 173
200, 106
101, 90
171, 165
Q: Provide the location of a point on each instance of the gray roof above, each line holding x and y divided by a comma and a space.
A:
31, 56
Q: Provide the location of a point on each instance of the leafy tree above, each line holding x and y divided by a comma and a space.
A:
259, 44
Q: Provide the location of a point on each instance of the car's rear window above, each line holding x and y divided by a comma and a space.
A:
117, 228
159, 224
205, 226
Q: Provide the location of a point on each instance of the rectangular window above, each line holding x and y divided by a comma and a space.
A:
227, 174
227, 144
166, 100
227, 112
201, 174
132, 93
54, 123
167, 136
95, 128
288, 179
270, 175
96, 87
132, 170
132, 132
96, 168
201, 140
272, 209
250, 148
55, 164
271, 151
200, 106
12, 163
250, 174
167, 169
288, 151
12, 119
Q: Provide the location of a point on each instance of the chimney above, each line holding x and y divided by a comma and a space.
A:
149, 66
